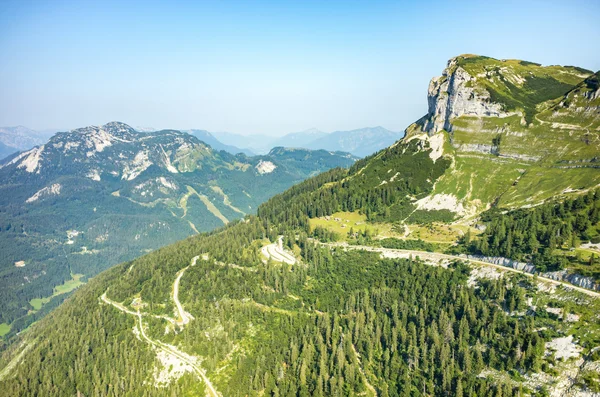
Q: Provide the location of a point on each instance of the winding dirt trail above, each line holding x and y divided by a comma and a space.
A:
184, 319
368, 385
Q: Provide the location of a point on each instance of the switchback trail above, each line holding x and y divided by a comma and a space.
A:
184, 317
277, 252
171, 350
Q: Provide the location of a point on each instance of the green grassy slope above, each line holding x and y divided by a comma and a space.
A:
545, 146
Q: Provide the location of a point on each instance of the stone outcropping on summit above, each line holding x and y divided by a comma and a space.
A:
454, 94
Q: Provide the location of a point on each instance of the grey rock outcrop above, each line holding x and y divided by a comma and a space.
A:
575, 279
563, 275
454, 94
498, 260
476, 148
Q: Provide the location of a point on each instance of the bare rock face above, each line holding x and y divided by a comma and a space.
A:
454, 94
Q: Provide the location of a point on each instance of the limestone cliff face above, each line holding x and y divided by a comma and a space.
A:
495, 119
454, 94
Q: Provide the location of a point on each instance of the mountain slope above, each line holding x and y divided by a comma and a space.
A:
487, 161
349, 321
269, 306
97, 196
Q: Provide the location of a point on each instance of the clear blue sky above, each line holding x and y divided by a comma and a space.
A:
262, 66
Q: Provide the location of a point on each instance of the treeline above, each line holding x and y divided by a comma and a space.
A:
534, 234
378, 188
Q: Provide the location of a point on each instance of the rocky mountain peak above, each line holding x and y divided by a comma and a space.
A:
589, 88
113, 150
455, 93
313, 131
115, 129
482, 87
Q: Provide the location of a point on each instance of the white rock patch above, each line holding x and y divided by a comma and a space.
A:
47, 191
32, 161
139, 164
16, 159
571, 318
167, 183
94, 175
265, 167
590, 245
564, 348
441, 202
168, 164
173, 368
483, 272
436, 143
71, 145
100, 140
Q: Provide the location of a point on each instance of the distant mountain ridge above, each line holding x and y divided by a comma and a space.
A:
15, 139
99, 195
256, 143
210, 139
360, 142
300, 139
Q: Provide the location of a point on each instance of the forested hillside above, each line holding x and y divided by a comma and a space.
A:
341, 323
546, 235
97, 196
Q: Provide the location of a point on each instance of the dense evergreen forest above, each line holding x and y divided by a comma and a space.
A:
536, 234
342, 323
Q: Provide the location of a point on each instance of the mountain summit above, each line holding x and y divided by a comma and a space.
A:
509, 132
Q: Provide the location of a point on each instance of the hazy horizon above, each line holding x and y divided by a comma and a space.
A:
142, 128
261, 67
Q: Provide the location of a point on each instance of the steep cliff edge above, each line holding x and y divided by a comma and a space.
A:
454, 94
518, 133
